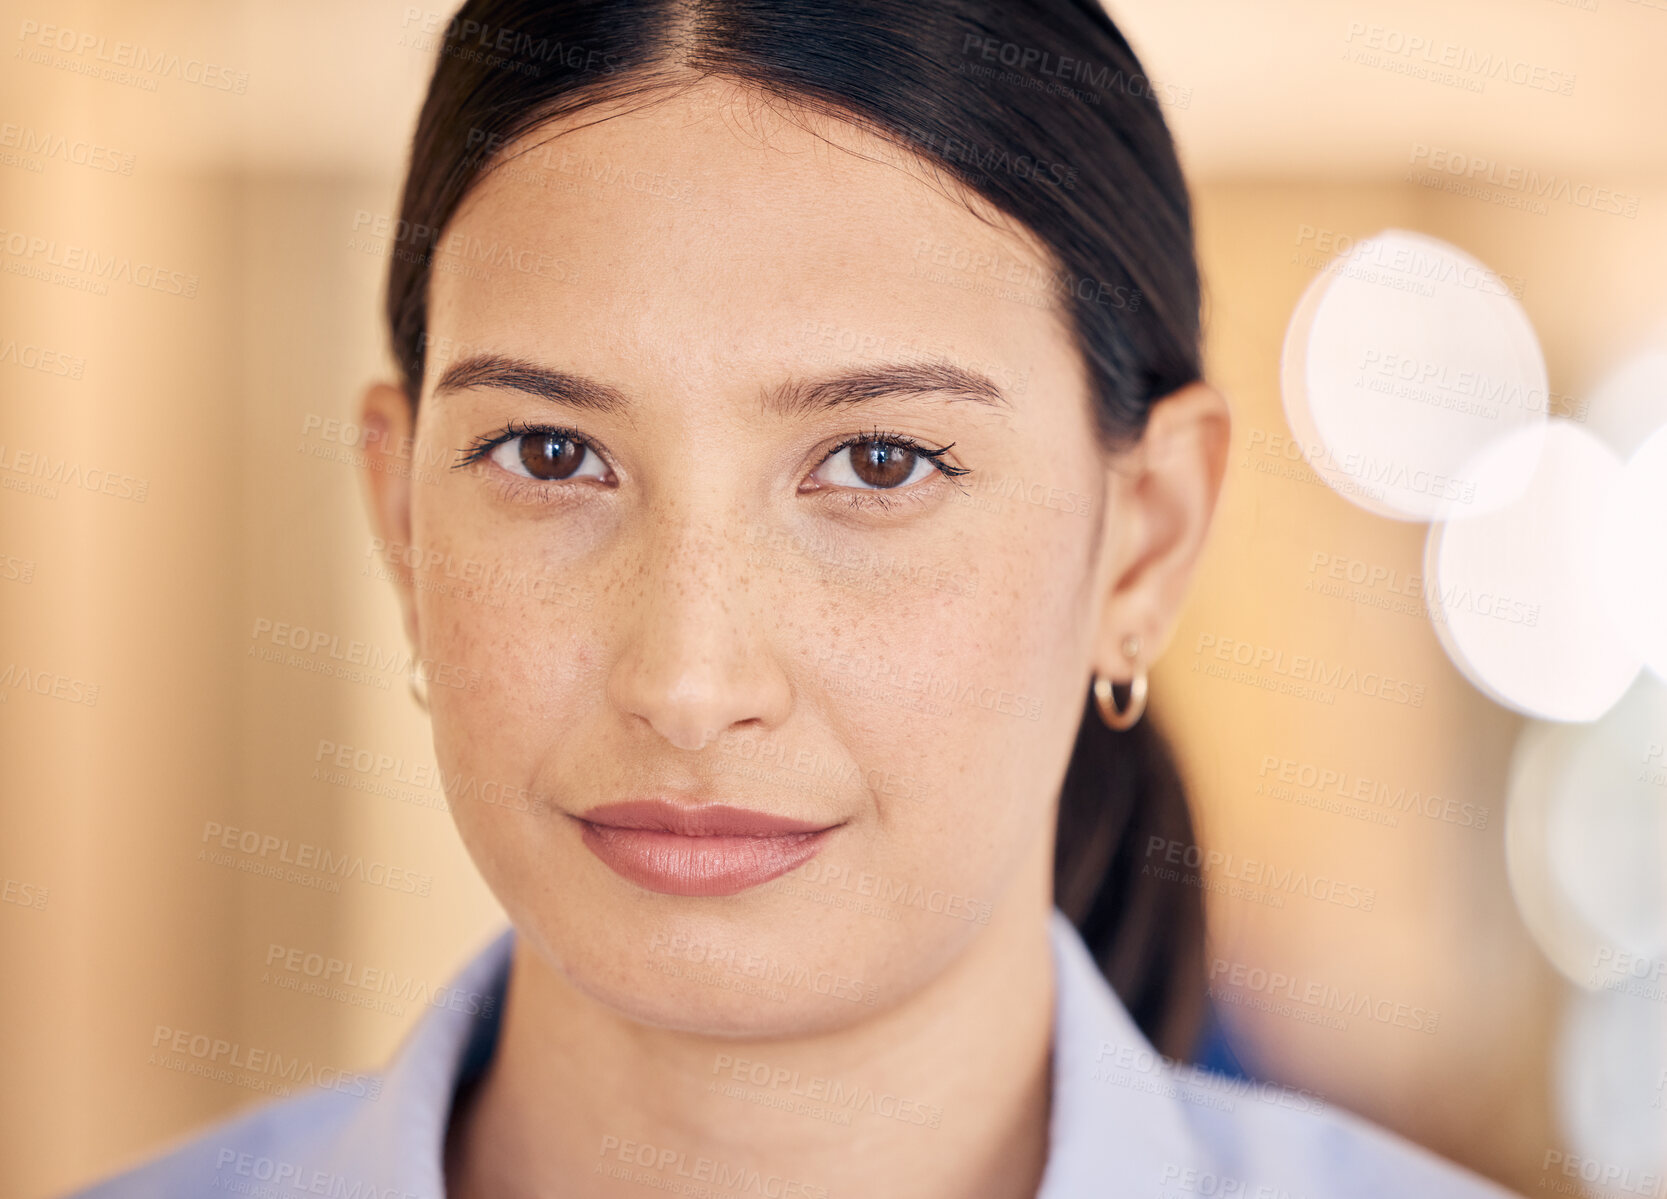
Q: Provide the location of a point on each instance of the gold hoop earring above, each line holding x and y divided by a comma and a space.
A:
419, 685
1122, 719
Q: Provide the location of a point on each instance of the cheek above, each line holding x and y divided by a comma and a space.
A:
504, 749
507, 621
959, 696
535, 664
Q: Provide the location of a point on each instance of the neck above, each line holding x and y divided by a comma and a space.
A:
947, 1093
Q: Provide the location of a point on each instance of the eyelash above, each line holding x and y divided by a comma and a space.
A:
856, 497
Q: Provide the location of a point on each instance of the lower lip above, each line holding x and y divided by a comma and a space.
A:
674, 864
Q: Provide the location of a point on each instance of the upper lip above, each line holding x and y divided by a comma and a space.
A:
702, 820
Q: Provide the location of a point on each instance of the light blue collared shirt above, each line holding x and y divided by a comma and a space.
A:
1124, 1122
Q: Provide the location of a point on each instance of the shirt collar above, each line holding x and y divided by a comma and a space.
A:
1114, 1112
1110, 1117
400, 1138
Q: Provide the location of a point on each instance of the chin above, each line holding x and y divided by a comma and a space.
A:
700, 1008
757, 965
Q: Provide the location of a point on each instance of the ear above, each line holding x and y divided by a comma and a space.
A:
388, 418
1162, 496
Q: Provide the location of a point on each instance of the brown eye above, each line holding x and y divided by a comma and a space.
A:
882, 463
875, 464
547, 456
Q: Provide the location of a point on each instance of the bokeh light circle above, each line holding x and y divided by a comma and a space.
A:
1630, 403
1586, 841
1632, 552
1402, 360
1610, 1067
1517, 595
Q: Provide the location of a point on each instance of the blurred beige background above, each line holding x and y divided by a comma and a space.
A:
240, 506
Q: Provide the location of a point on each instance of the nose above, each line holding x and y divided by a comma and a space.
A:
696, 656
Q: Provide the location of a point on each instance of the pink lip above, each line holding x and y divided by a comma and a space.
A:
714, 849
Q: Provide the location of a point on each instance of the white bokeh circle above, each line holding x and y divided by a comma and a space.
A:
1402, 360
1517, 594
1610, 1066
1630, 402
1632, 552
1586, 841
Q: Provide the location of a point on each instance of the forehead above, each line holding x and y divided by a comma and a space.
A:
713, 233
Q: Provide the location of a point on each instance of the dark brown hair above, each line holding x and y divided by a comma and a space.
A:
1037, 106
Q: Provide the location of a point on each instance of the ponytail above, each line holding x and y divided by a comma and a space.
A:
1122, 797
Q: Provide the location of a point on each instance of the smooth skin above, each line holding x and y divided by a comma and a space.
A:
729, 607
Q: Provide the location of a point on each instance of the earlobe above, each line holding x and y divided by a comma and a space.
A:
387, 416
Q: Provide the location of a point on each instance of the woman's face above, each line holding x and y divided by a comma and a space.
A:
734, 577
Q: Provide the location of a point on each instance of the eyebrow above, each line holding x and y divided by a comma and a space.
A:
796, 398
